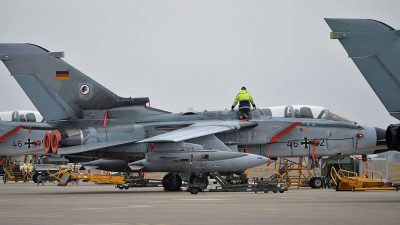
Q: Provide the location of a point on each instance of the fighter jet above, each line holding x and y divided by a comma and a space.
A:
89, 120
375, 49
20, 137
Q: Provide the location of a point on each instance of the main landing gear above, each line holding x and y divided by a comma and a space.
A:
197, 182
172, 182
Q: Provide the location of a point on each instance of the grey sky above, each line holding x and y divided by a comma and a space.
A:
197, 54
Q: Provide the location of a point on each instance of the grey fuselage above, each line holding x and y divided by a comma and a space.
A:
335, 137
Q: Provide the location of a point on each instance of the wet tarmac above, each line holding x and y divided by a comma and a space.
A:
103, 204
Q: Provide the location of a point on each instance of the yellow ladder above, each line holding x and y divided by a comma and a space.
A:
295, 173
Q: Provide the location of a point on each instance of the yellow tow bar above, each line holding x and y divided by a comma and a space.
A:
64, 175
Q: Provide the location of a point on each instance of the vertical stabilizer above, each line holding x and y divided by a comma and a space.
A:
57, 89
375, 49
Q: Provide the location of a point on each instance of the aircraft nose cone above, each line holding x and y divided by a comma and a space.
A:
380, 136
257, 160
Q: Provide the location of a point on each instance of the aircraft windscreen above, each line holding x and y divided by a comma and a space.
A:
297, 111
336, 117
302, 111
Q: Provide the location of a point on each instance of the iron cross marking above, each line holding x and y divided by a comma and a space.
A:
29, 143
306, 142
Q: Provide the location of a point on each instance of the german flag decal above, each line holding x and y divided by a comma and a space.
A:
62, 75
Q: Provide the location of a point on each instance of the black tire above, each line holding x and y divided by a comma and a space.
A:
34, 178
172, 182
40, 179
194, 191
316, 182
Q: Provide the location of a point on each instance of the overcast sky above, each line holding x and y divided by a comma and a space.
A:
197, 54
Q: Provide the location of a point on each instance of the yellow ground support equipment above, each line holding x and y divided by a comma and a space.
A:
350, 181
292, 173
64, 175
12, 171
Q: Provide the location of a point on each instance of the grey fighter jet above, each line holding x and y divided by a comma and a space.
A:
375, 49
89, 120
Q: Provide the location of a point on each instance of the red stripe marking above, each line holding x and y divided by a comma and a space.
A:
269, 151
275, 138
11, 132
314, 151
62, 75
105, 119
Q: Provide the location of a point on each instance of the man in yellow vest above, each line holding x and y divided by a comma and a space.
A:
244, 99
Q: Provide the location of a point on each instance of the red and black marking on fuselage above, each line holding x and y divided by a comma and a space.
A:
11, 132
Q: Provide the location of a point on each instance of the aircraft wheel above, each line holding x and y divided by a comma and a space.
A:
40, 179
316, 183
194, 190
35, 178
172, 182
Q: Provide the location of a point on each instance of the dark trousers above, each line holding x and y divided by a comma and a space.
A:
244, 113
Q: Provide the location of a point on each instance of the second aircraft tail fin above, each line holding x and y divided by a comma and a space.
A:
375, 49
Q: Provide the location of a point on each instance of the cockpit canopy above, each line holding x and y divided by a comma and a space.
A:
302, 111
21, 116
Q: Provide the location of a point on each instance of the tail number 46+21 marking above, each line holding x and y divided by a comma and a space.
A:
28, 143
306, 142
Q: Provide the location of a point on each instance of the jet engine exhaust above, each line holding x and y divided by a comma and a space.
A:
392, 137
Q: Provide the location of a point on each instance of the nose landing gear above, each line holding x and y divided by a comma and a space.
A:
197, 183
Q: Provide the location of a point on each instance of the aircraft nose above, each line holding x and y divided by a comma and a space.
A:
380, 136
257, 160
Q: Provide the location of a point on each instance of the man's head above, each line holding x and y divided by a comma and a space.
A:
243, 88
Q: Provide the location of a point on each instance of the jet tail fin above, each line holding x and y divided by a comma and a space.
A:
375, 49
57, 89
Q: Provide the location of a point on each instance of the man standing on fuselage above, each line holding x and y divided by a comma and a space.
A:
244, 99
